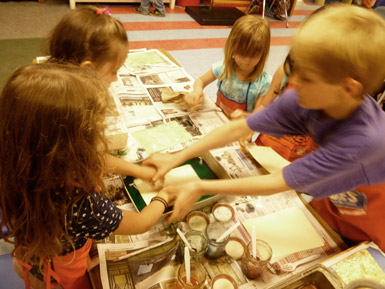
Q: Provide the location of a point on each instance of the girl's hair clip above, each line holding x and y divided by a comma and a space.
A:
101, 11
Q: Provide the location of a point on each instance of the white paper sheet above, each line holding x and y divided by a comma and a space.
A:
267, 158
286, 232
176, 176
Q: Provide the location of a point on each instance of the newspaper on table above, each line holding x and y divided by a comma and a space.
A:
135, 104
148, 61
174, 76
153, 259
116, 133
145, 93
196, 124
167, 90
232, 162
208, 120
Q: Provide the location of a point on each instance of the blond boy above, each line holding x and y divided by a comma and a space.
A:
338, 59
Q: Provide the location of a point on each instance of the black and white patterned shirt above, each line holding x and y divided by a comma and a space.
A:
95, 217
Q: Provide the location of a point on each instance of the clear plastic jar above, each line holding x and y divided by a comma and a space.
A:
198, 242
197, 276
213, 232
253, 267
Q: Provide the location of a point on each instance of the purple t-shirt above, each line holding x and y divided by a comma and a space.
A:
351, 151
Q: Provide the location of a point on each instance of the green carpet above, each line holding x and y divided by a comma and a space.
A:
17, 52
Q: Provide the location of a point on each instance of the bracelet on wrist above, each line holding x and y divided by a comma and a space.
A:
159, 199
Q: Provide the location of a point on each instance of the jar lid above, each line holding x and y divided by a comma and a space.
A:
197, 221
235, 248
223, 212
223, 281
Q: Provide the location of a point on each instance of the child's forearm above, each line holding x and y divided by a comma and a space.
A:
137, 223
198, 86
258, 185
118, 166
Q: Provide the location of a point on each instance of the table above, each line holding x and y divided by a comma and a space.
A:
286, 200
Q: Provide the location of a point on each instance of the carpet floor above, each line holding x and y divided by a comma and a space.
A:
17, 52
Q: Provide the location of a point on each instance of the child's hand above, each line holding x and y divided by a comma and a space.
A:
163, 164
244, 141
193, 98
166, 196
238, 113
186, 195
146, 172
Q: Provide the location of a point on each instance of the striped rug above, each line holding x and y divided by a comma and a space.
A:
178, 31
197, 47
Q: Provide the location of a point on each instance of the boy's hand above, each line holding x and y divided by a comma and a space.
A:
163, 163
244, 141
186, 196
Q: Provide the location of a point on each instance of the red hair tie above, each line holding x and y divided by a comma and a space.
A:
101, 11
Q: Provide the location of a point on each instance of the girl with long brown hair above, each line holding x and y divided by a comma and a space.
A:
52, 198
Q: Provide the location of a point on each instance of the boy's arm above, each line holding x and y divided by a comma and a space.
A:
118, 166
190, 193
219, 137
196, 96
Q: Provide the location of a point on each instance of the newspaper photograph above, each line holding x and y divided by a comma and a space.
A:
168, 100
206, 121
168, 77
235, 162
138, 109
133, 102
124, 266
116, 190
128, 83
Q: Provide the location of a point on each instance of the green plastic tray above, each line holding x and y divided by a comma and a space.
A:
198, 164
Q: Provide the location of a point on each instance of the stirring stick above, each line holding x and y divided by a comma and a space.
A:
187, 265
253, 242
225, 234
184, 239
